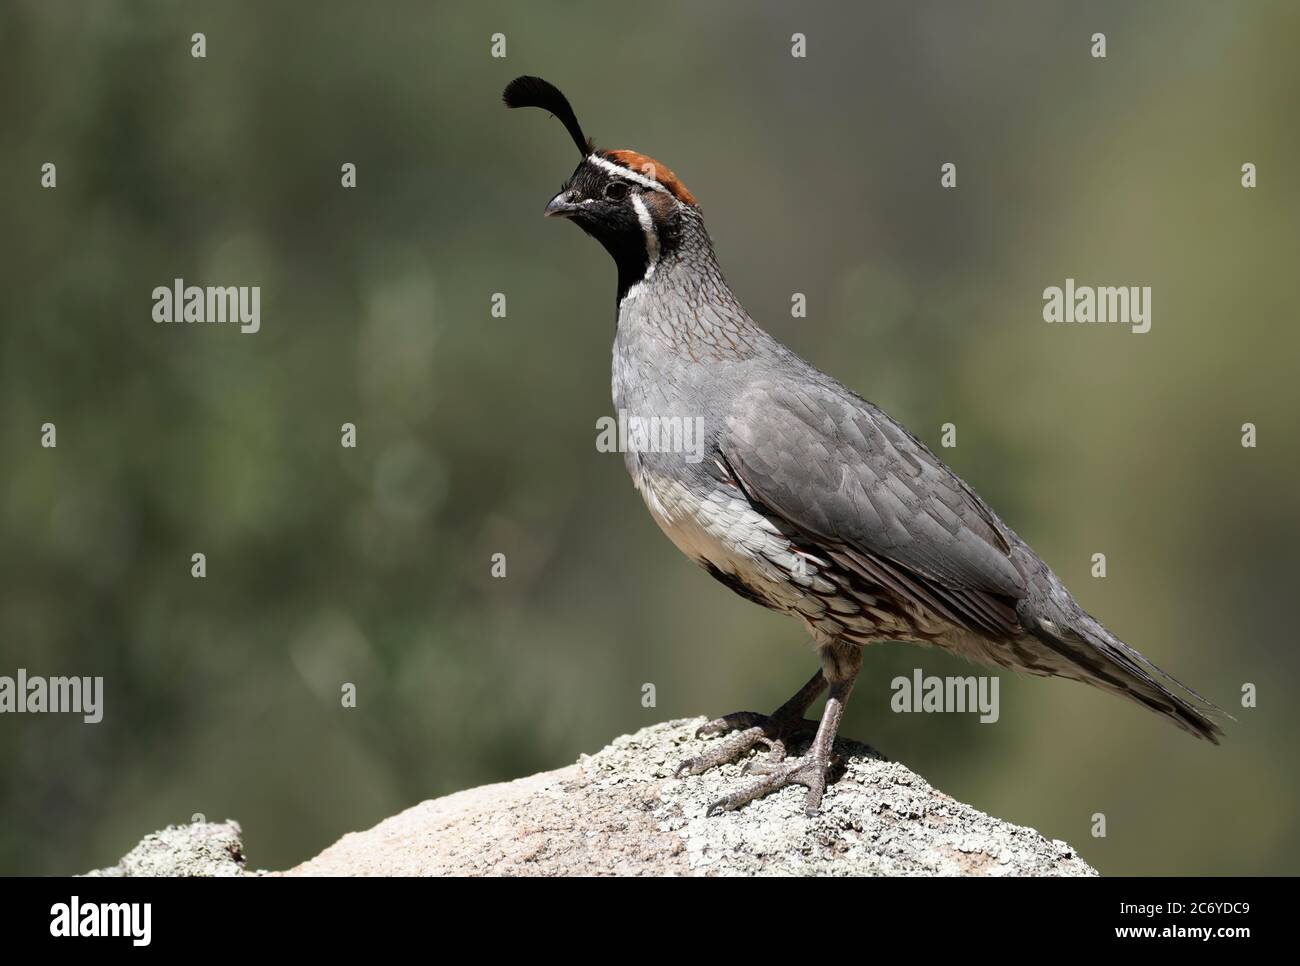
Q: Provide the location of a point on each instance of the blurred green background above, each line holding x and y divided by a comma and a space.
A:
476, 435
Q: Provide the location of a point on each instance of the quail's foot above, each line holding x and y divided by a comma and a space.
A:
750, 729
809, 771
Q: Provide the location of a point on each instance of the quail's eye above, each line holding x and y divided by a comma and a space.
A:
616, 190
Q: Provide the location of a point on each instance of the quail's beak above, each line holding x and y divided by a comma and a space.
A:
562, 205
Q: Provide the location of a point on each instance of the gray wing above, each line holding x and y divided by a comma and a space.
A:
841, 471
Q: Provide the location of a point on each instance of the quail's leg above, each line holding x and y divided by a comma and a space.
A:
771, 730
840, 666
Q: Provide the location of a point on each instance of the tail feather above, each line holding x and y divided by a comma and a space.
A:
1112, 665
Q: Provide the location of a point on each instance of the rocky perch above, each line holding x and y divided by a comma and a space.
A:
621, 812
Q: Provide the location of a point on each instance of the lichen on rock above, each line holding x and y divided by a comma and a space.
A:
623, 811
199, 849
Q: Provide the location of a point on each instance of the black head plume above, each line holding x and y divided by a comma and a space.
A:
529, 91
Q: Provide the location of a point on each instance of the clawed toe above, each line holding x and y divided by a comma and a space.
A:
737, 721
809, 772
751, 729
775, 771
727, 750
762, 767
773, 732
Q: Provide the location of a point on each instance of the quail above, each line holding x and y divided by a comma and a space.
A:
805, 497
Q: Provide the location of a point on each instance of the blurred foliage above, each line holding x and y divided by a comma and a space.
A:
477, 434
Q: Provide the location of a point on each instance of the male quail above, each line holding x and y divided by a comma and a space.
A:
810, 500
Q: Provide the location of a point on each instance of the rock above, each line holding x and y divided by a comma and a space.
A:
199, 849
622, 812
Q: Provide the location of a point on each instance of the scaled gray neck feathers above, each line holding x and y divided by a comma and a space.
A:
684, 306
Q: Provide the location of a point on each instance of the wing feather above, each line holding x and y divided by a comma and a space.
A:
839, 469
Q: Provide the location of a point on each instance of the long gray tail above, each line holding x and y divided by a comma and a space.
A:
1108, 663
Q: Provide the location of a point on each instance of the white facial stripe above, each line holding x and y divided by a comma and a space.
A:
622, 172
651, 236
